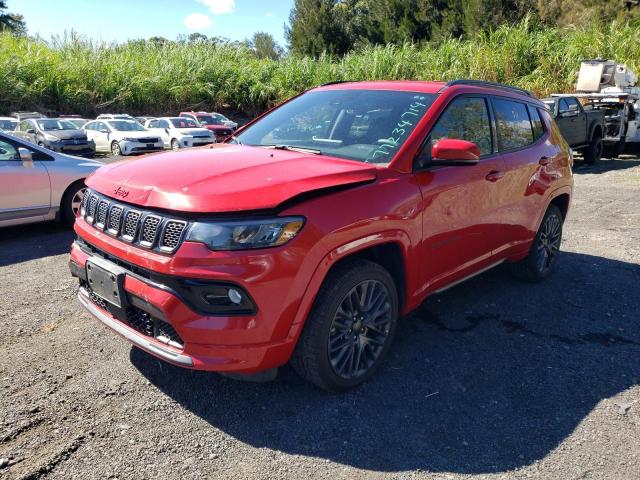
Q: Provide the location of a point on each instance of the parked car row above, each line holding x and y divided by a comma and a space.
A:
118, 134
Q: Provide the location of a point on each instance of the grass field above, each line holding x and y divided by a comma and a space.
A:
75, 75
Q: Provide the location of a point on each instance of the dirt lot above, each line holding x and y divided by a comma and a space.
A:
491, 379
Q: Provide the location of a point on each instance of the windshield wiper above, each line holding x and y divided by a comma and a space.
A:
293, 148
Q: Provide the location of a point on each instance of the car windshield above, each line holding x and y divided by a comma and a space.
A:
126, 126
78, 122
52, 124
182, 122
8, 124
211, 119
364, 125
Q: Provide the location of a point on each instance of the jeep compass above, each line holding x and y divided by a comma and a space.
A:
308, 234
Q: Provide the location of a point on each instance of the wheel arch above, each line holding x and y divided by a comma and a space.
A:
67, 190
562, 202
595, 128
390, 256
389, 249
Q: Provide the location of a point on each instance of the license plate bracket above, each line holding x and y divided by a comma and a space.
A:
150, 145
106, 280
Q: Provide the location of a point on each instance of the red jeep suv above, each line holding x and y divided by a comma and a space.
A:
310, 232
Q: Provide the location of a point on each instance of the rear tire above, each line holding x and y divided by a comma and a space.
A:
593, 153
543, 256
350, 328
71, 201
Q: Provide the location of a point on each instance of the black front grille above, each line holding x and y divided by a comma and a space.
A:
148, 140
140, 321
147, 229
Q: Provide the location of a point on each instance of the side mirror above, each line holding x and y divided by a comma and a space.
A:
26, 157
451, 151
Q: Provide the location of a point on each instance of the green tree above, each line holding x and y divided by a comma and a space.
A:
11, 22
264, 46
315, 28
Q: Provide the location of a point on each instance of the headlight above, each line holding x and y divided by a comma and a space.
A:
130, 139
245, 235
51, 138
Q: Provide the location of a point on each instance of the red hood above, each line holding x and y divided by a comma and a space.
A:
215, 128
225, 178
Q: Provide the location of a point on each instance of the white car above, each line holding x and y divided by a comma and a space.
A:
122, 137
180, 132
8, 124
37, 184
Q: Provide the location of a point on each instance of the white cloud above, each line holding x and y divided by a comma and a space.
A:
269, 14
219, 7
197, 21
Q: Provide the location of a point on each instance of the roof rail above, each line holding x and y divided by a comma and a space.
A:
482, 83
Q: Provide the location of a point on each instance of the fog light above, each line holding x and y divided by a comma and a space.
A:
235, 296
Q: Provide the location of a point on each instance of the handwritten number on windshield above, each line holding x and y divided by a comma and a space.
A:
402, 129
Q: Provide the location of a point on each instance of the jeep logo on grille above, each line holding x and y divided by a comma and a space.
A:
121, 192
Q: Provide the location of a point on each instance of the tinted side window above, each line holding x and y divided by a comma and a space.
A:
512, 124
153, 124
163, 124
573, 104
466, 118
536, 123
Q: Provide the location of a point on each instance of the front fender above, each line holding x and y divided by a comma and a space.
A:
345, 250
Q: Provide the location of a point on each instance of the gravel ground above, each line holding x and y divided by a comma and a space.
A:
491, 379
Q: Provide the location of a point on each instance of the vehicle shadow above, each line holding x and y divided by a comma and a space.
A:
486, 377
606, 165
28, 242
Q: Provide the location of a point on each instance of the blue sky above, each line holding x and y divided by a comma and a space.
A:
119, 20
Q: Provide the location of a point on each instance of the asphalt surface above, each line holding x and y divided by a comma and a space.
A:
491, 379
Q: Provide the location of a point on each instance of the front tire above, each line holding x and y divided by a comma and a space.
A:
116, 151
71, 201
543, 256
350, 328
175, 145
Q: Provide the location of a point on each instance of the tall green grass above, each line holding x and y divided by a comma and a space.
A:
75, 75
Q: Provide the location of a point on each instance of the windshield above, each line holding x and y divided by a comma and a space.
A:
126, 126
8, 124
183, 122
52, 124
211, 119
364, 125
78, 122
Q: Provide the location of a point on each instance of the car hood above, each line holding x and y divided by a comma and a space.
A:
225, 178
194, 131
217, 127
135, 134
67, 134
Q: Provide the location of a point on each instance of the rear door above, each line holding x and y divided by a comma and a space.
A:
523, 143
25, 189
461, 203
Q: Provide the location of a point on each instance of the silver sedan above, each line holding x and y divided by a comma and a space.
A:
37, 184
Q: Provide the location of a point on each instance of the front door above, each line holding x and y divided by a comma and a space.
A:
460, 203
25, 190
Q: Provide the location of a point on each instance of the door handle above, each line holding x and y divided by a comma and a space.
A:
544, 161
494, 175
